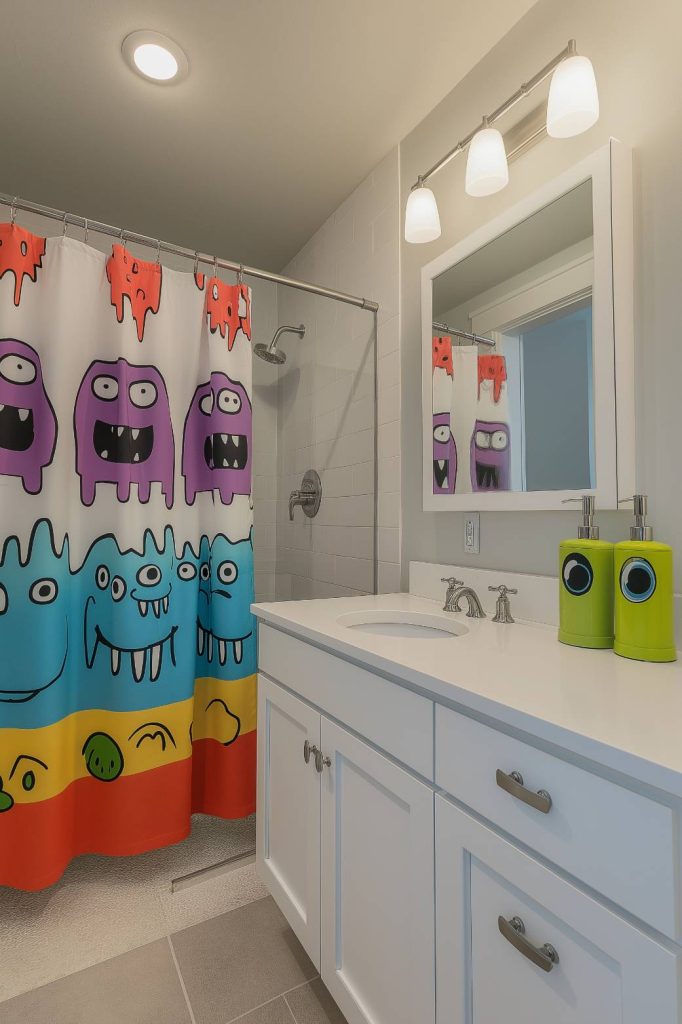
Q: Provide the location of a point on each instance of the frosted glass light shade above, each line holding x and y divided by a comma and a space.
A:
573, 104
487, 169
422, 221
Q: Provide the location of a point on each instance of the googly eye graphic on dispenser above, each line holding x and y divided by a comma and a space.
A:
637, 580
577, 574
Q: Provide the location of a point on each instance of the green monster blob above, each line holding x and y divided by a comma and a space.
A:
6, 801
103, 757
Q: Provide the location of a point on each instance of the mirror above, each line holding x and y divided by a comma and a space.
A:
514, 361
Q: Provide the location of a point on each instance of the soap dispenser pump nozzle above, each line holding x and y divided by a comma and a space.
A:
640, 530
588, 530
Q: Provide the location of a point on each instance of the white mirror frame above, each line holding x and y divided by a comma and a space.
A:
610, 169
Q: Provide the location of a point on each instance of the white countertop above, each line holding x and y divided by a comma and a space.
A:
622, 714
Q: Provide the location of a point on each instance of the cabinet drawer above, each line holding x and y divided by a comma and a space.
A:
387, 714
517, 942
618, 842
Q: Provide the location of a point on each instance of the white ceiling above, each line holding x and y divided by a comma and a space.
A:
288, 105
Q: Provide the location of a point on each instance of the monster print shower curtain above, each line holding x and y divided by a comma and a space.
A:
127, 647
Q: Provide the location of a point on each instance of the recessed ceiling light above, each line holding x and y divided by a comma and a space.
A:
155, 57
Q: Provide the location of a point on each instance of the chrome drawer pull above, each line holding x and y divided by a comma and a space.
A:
320, 760
545, 957
308, 749
513, 783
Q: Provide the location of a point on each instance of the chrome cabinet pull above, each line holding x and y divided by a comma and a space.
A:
308, 749
513, 783
321, 761
514, 931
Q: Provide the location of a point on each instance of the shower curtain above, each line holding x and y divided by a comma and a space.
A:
127, 646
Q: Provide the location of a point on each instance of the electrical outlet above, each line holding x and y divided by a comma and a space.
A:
472, 533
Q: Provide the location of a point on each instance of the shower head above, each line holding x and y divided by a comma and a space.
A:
270, 353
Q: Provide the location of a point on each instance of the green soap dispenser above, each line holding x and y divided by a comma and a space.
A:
586, 585
643, 575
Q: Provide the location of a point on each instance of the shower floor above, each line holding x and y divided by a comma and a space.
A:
245, 965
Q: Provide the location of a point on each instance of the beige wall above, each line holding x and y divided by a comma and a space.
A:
635, 50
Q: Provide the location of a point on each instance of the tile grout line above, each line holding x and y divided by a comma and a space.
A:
181, 980
286, 1003
282, 995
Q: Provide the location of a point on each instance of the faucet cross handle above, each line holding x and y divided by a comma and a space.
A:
502, 609
452, 587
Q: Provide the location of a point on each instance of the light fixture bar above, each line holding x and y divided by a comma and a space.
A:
524, 90
478, 339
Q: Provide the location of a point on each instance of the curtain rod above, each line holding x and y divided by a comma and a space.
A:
15, 204
477, 338
524, 90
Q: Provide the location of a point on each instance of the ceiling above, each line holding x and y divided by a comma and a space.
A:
288, 106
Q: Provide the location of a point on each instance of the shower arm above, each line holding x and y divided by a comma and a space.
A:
285, 329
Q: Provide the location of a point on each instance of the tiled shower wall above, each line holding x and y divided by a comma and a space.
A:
326, 401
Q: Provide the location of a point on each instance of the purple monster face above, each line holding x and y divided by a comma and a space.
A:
28, 425
216, 449
123, 431
444, 455
490, 456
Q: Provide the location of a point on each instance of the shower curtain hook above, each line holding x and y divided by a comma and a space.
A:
240, 275
196, 262
65, 225
215, 266
87, 229
120, 236
13, 211
158, 251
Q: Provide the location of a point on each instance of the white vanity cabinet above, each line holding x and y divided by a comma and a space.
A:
444, 867
345, 845
518, 943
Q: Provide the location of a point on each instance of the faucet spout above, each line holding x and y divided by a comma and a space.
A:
475, 609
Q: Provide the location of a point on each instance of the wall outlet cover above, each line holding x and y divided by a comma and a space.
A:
472, 533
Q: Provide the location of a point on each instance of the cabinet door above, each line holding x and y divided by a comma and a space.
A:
377, 885
497, 907
288, 819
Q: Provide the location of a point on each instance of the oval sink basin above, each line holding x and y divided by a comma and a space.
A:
416, 625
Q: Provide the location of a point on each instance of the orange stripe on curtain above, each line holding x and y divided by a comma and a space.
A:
130, 815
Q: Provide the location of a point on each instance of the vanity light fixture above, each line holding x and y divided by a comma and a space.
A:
572, 108
487, 170
155, 57
573, 104
422, 222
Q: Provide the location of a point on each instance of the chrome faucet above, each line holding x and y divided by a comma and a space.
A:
453, 584
455, 592
475, 611
502, 609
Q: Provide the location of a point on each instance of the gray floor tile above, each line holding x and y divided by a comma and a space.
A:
312, 1004
239, 961
140, 987
276, 1012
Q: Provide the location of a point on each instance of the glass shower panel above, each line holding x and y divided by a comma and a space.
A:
326, 422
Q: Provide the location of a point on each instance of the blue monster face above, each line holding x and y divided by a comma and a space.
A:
129, 625
33, 616
225, 626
